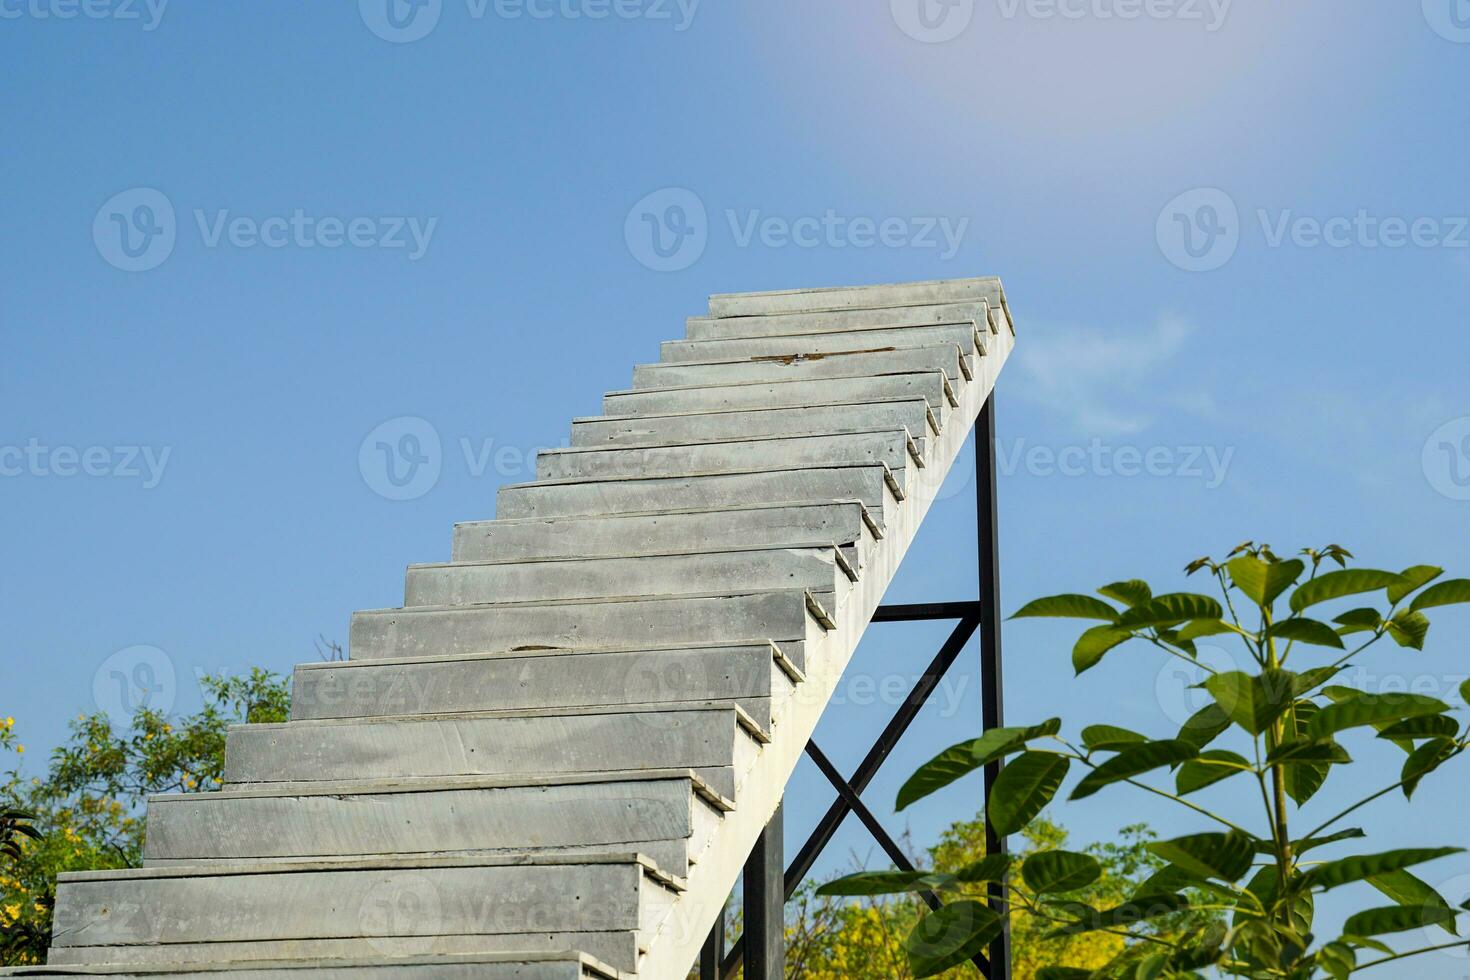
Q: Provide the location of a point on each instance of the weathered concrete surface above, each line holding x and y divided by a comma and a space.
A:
894, 448
826, 321
447, 897
966, 336
755, 676
816, 570
844, 524
872, 486
856, 364
787, 619
684, 428
220, 961
986, 289
665, 819
931, 385
585, 740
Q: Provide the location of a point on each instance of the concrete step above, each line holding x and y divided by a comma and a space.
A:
894, 448
816, 570
681, 428
824, 321
931, 385
846, 524
233, 963
756, 676
853, 364
717, 740
873, 486
794, 619
966, 335
939, 291
670, 819
387, 906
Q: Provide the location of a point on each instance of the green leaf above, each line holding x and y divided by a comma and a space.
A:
1365, 620
1344, 871
1370, 709
1131, 912
868, 883
1465, 692
1135, 760
1253, 701
1024, 787
992, 867
1409, 629
1307, 631
1200, 628
1224, 856
1109, 738
1167, 880
1209, 768
1405, 889
1068, 607
960, 760
1300, 847
1300, 751
1204, 726
1395, 918
1094, 644
1063, 973
1335, 585
1134, 592
1060, 871
1425, 726
1263, 582
1415, 577
1168, 610
1424, 760
954, 935
1448, 593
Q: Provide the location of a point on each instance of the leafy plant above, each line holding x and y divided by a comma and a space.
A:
88, 804
15, 824
1290, 723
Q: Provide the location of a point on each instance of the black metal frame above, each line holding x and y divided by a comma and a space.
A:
764, 920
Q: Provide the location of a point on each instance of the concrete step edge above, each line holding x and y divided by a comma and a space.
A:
629, 392
439, 784
595, 969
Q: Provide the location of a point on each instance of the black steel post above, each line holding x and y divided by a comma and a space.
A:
987, 515
712, 957
765, 904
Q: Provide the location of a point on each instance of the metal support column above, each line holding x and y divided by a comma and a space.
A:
765, 904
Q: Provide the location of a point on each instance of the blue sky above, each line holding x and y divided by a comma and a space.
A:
1234, 236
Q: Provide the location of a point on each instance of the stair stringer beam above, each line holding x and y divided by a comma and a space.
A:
677, 945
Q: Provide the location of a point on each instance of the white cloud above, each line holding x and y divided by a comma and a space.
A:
1109, 382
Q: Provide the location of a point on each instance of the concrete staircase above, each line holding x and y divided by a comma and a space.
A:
553, 761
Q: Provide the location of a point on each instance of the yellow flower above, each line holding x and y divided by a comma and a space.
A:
20, 750
8, 724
